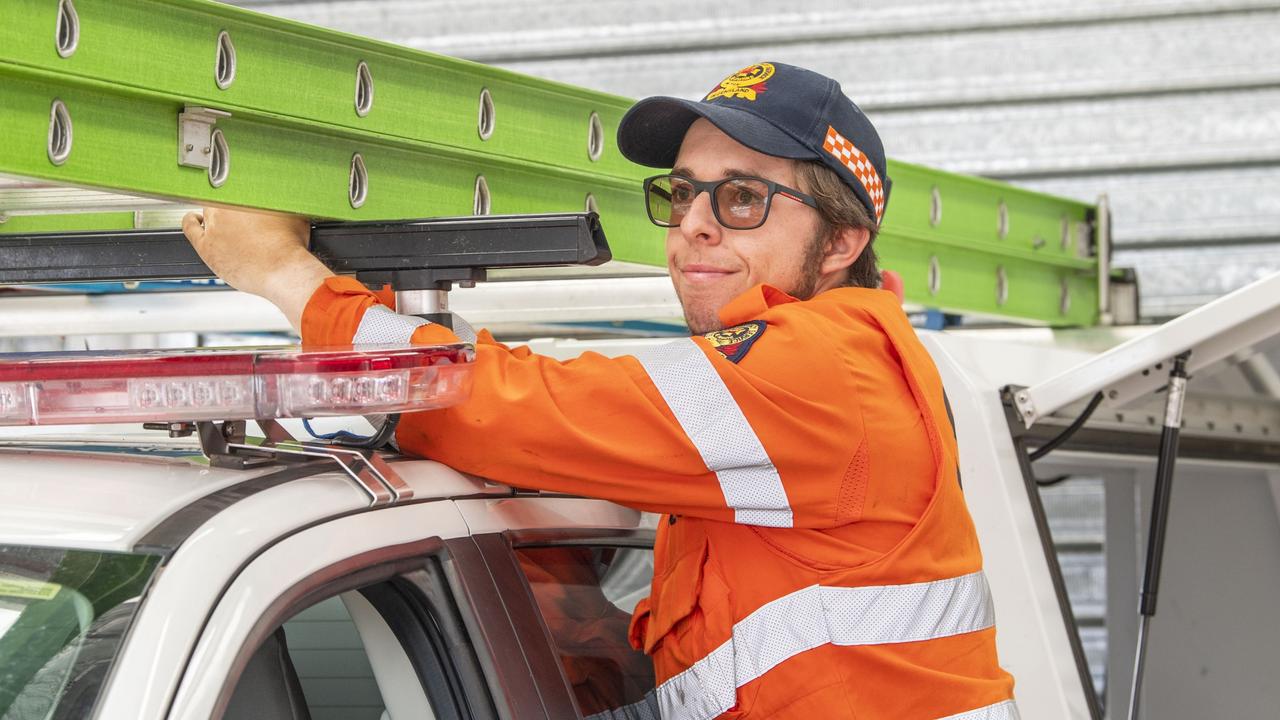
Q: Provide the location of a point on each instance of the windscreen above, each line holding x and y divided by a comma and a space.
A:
63, 615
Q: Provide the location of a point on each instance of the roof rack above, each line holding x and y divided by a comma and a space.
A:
439, 137
419, 259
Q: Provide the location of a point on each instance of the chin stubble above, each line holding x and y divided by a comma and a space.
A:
810, 271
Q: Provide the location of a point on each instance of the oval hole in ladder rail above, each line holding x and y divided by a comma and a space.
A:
481, 202
202, 384
487, 119
364, 89
224, 67
595, 138
219, 159
67, 30
357, 182
60, 133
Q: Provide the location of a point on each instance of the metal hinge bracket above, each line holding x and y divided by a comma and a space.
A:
195, 135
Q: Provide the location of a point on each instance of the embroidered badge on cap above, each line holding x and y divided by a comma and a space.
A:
733, 343
747, 83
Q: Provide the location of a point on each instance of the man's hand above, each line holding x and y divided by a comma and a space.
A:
260, 253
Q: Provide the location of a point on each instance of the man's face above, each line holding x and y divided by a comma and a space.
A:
711, 264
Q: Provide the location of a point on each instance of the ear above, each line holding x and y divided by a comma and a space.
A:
843, 248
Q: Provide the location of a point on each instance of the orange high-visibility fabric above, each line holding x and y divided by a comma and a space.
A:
598, 426
848, 407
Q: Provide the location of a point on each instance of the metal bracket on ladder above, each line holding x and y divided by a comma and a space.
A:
195, 135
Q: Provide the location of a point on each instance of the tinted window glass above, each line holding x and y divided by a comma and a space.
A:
332, 663
63, 614
339, 659
586, 595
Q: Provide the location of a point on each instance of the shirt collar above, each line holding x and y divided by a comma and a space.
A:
752, 304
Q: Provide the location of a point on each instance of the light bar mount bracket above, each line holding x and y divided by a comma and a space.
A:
224, 443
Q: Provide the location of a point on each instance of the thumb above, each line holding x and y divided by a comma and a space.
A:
193, 226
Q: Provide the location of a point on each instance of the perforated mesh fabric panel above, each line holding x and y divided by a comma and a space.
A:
1006, 710
381, 325
644, 709
853, 488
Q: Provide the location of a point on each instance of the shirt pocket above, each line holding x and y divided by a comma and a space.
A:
689, 613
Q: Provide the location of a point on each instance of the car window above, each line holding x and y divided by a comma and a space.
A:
338, 659
586, 596
332, 663
63, 615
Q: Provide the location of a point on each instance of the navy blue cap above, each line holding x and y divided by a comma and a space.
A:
772, 108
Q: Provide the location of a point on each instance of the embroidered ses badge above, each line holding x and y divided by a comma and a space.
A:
747, 83
733, 343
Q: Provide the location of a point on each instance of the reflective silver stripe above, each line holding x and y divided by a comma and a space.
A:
715, 424
463, 329
819, 615
646, 708
383, 326
1006, 710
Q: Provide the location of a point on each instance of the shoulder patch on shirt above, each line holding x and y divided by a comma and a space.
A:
734, 342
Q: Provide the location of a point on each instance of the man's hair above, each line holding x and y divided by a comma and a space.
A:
839, 207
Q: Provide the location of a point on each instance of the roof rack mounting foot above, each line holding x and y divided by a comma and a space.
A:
217, 439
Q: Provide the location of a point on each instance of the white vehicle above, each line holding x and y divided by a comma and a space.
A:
139, 580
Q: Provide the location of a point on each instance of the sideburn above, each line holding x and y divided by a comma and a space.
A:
811, 270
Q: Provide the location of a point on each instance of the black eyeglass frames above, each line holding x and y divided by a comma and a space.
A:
739, 202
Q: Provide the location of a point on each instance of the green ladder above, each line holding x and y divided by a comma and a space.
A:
211, 104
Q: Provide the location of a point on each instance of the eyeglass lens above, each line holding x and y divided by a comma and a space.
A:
740, 203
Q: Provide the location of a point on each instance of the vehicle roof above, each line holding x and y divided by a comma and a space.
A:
109, 493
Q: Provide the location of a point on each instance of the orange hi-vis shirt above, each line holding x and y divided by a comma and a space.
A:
816, 558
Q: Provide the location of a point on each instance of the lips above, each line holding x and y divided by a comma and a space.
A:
704, 273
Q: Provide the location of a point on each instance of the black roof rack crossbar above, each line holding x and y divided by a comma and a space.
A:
407, 254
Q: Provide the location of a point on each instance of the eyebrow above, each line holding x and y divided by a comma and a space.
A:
729, 172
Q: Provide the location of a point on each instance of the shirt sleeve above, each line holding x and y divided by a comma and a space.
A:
771, 439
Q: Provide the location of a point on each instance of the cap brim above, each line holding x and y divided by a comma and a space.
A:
653, 129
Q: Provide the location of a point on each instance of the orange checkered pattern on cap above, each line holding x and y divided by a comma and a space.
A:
859, 165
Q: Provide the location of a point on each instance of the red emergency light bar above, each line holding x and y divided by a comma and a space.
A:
188, 385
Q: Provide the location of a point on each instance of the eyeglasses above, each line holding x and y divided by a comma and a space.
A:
739, 203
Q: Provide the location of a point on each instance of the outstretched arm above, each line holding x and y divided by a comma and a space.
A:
260, 253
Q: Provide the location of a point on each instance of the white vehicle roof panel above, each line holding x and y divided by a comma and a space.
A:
95, 499
109, 495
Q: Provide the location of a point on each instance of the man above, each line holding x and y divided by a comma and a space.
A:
815, 558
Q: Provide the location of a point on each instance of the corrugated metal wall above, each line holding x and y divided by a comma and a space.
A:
332, 664
1171, 107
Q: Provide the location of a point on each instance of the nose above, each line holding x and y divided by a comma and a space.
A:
699, 224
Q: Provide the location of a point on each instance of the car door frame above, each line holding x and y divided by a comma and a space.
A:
498, 550
447, 581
